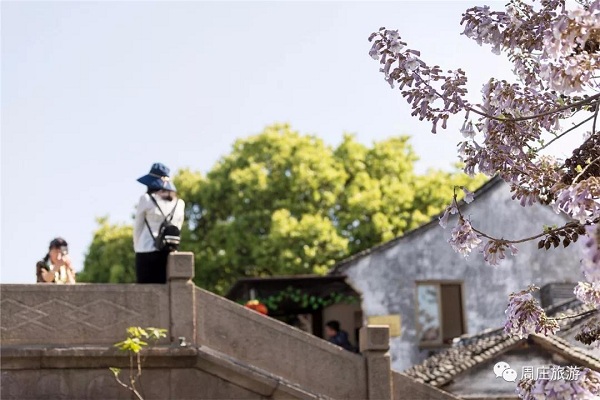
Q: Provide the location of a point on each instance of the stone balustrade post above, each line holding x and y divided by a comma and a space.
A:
374, 343
182, 304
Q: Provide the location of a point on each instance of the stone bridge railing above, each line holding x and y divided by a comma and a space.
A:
47, 314
93, 314
55, 324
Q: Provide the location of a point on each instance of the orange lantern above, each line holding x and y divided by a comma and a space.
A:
261, 308
257, 306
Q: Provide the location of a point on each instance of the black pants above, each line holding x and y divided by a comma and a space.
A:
151, 267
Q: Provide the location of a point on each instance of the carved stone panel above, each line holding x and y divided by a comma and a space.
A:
78, 314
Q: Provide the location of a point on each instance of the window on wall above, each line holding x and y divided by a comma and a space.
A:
440, 315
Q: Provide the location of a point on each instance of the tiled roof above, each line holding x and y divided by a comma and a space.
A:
469, 351
443, 367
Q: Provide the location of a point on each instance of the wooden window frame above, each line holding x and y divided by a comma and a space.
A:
439, 283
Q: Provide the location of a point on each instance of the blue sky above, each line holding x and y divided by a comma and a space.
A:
93, 93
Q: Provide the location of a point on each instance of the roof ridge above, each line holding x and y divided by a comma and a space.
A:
583, 355
341, 265
338, 267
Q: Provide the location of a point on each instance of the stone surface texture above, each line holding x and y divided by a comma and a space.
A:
78, 314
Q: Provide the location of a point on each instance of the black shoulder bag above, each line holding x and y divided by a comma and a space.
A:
169, 236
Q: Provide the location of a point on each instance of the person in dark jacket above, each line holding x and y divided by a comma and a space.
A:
337, 336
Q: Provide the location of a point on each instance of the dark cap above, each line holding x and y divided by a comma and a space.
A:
158, 178
57, 243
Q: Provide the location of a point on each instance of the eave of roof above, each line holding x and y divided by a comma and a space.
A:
238, 287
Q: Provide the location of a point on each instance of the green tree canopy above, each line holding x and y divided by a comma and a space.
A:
286, 203
110, 257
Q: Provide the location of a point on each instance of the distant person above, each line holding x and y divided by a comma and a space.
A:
157, 226
56, 266
337, 336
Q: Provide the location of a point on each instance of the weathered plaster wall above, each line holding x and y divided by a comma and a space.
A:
386, 277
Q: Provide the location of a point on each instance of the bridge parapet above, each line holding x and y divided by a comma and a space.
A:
49, 330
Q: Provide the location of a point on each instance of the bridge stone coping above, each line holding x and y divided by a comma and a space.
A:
48, 318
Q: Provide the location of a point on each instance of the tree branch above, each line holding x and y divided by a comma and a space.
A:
582, 314
577, 104
565, 132
585, 169
595, 119
516, 241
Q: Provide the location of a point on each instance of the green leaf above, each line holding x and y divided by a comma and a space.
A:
155, 333
132, 344
136, 332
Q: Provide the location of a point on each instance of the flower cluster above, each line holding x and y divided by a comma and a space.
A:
433, 94
505, 147
580, 200
588, 293
585, 386
494, 250
524, 315
551, 46
463, 239
444, 218
568, 55
469, 196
